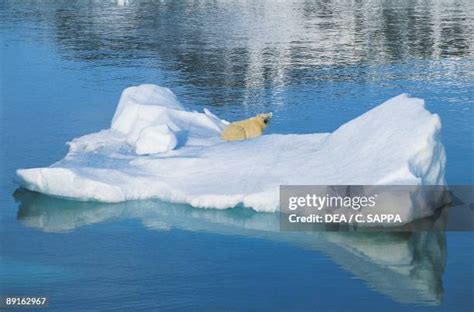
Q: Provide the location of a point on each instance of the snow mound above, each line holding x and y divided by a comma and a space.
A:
159, 139
396, 143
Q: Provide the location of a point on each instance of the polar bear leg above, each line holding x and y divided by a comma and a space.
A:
233, 133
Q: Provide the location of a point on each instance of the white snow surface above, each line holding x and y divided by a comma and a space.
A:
157, 149
158, 139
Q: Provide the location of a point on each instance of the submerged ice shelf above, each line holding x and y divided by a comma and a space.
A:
157, 149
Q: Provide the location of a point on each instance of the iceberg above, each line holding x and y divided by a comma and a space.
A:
156, 149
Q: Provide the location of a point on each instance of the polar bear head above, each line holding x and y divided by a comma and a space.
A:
265, 118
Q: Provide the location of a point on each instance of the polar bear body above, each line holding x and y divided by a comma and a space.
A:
246, 129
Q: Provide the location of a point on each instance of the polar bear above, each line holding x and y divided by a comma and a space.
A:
246, 129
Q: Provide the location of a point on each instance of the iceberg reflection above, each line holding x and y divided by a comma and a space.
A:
406, 267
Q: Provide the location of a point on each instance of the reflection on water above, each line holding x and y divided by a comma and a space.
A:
226, 46
407, 267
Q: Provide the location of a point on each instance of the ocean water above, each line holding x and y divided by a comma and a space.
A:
315, 65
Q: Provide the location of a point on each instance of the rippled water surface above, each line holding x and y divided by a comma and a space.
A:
315, 64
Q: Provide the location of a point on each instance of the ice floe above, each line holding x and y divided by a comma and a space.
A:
155, 148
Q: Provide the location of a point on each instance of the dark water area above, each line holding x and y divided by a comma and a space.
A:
315, 65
